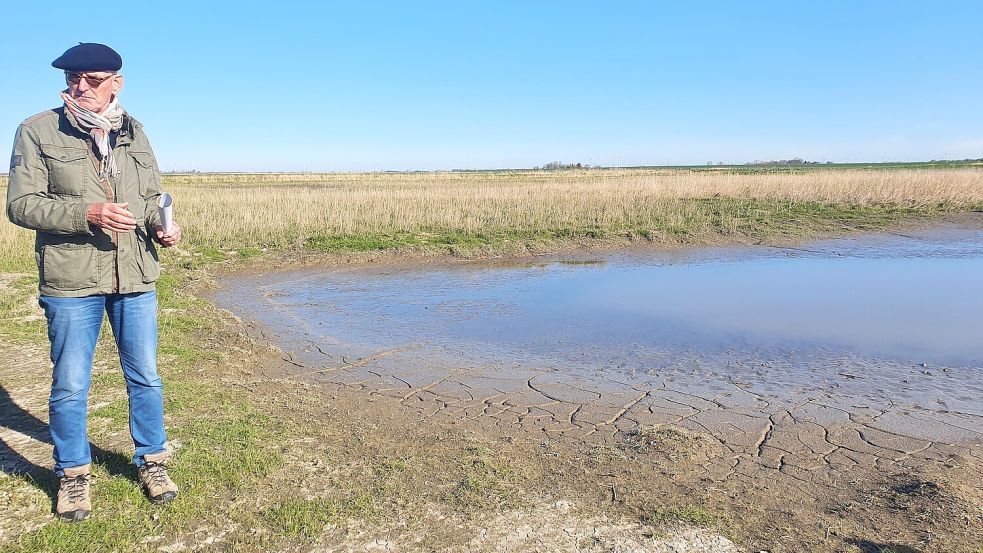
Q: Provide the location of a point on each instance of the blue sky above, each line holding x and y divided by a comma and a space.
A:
323, 86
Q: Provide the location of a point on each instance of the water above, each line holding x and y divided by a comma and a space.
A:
915, 298
880, 333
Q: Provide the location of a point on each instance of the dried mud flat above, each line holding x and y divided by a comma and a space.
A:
617, 484
818, 473
827, 452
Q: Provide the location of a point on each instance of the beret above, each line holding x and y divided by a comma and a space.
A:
89, 56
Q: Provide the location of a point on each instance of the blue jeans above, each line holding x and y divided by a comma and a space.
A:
73, 328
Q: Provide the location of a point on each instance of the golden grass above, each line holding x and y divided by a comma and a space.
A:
379, 210
258, 211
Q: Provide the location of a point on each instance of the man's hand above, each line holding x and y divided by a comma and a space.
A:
171, 237
111, 217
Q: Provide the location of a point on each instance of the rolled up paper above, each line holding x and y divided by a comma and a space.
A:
165, 207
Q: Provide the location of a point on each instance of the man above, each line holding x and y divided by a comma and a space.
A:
84, 177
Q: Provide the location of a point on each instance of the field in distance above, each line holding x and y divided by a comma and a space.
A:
493, 212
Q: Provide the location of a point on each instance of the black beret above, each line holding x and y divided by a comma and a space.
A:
89, 56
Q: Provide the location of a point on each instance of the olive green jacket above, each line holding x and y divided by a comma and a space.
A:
54, 178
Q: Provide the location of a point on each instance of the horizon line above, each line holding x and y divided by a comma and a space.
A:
568, 167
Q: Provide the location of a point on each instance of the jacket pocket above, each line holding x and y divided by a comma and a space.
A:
148, 262
66, 169
144, 164
69, 267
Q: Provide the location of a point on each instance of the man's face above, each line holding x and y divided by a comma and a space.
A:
93, 90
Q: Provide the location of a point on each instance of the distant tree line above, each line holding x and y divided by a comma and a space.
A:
783, 162
554, 165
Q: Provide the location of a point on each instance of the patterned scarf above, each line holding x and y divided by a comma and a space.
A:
99, 125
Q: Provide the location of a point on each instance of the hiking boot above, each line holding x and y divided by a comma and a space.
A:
73, 494
153, 477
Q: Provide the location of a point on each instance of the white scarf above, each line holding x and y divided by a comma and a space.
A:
99, 125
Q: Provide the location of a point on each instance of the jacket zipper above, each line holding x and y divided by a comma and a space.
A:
111, 197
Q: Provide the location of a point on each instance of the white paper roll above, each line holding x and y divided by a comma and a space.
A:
165, 207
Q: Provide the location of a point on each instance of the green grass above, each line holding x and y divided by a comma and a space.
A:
484, 481
304, 517
117, 412
229, 452
226, 442
886, 166
703, 219
20, 316
122, 517
220, 455
308, 518
251, 252
689, 514
20, 259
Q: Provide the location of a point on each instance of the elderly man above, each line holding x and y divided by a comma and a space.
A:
84, 177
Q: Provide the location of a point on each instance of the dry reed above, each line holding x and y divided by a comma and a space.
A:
285, 210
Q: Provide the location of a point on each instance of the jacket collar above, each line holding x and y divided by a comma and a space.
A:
123, 138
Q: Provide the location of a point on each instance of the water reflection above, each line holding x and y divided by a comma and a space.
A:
914, 298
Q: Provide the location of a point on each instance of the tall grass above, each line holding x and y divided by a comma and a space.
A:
430, 207
458, 209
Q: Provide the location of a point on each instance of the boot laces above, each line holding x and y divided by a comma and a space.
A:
75, 487
156, 473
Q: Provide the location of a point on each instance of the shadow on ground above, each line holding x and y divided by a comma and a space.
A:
867, 546
12, 462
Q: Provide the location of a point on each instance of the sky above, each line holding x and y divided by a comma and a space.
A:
366, 86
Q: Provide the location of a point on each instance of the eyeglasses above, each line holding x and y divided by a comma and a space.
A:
73, 78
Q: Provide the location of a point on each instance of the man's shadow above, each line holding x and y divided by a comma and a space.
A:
867, 546
13, 462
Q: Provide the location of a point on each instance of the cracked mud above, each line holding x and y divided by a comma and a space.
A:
810, 364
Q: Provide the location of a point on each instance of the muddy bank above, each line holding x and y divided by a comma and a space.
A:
802, 417
884, 328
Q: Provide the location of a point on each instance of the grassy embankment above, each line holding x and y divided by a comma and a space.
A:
235, 445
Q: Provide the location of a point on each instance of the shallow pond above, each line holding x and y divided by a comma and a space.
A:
916, 298
875, 332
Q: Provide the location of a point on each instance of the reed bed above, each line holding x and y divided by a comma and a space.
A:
257, 212
463, 210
